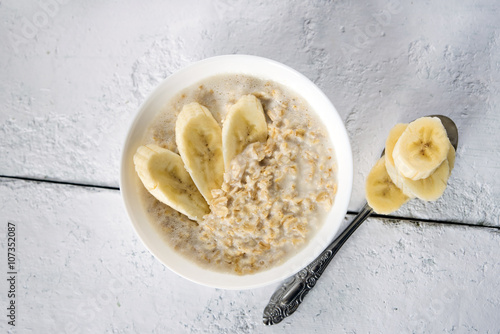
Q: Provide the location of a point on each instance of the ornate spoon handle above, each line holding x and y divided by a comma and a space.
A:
288, 297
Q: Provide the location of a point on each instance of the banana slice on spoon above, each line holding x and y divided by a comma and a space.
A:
287, 298
426, 142
421, 149
381, 192
391, 141
428, 189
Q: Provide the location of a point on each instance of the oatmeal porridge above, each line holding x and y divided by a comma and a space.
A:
274, 195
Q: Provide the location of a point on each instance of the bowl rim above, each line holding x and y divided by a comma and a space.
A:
195, 272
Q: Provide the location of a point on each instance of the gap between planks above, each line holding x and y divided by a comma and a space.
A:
30, 179
350, 213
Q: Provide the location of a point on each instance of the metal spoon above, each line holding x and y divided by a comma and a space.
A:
287, 298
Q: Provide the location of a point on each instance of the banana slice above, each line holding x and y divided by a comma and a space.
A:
430, 188
199, 141
163, 174
391, 141
381, 193
245, 123
451, 157
421, 149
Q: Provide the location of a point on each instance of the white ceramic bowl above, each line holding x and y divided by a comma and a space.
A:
266, 69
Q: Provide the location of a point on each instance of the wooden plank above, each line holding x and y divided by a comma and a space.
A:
69, 91
82, 269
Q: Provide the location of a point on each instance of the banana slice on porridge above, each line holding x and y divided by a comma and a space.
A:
163, 174
199, 141
245, 123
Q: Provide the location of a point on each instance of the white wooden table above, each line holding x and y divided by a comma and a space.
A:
72, 76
